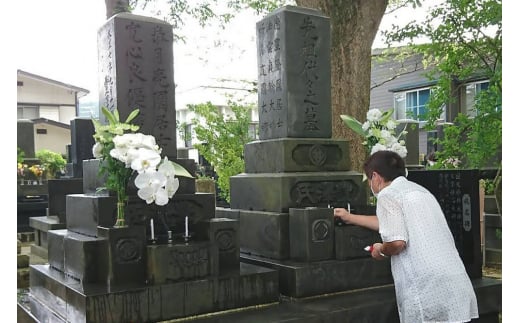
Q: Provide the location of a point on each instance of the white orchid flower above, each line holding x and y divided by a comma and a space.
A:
172, 183
151, 187
96, 150
146, 159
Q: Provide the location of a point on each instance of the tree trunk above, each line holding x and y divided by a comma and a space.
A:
116, 6
354, 25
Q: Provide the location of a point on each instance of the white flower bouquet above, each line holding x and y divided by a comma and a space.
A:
378, 131
124, 151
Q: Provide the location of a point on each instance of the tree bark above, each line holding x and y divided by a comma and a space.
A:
354, 25
117, 6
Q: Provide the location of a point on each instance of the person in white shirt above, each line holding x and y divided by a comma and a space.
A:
431, 283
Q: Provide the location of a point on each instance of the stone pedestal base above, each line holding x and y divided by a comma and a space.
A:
54, 297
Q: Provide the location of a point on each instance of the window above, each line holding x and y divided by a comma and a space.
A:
411, 104
28, 112
472, 90
187, 135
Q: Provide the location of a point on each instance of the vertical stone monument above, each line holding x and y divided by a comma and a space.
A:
296, 172
293, 47
25, 137
147, 271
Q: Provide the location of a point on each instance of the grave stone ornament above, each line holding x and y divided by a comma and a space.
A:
169, 261
296, 173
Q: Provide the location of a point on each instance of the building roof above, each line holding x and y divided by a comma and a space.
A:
51, 122
81, 91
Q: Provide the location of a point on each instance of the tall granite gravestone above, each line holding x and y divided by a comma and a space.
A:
136, 71
296, 173
82, 140
147, 271
294, 75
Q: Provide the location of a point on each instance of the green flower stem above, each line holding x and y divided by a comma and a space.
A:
121, 201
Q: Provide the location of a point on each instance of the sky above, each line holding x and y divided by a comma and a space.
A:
57, 39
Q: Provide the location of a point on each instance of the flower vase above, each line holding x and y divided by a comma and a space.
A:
22, 182
120, 220
40, 181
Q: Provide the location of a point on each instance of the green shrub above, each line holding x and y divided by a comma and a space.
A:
52, 162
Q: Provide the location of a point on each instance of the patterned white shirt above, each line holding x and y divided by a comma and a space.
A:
430, 280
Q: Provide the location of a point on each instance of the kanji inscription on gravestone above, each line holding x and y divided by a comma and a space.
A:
293, 48
140, 51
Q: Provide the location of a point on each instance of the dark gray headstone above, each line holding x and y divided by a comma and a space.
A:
82, 141
293, 48
411, 139
25, 137
457, 192
136, 71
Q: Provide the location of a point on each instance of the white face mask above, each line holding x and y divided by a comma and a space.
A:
375, 194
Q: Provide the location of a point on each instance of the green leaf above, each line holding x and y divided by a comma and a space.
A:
353, 124
116, 115
132, 116
97, 124
386, 115
180, 171
108, 115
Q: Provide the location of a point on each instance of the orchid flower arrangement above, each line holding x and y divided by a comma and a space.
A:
123, 152
378, 131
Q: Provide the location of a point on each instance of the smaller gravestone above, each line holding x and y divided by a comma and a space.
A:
457, 192
25, 137
293, 48
82, 141
411, 139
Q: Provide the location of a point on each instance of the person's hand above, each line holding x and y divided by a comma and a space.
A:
342, 213
376, 251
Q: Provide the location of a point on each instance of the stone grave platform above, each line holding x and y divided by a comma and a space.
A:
58, 298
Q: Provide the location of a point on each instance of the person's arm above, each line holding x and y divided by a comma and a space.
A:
386, 249
366, 221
